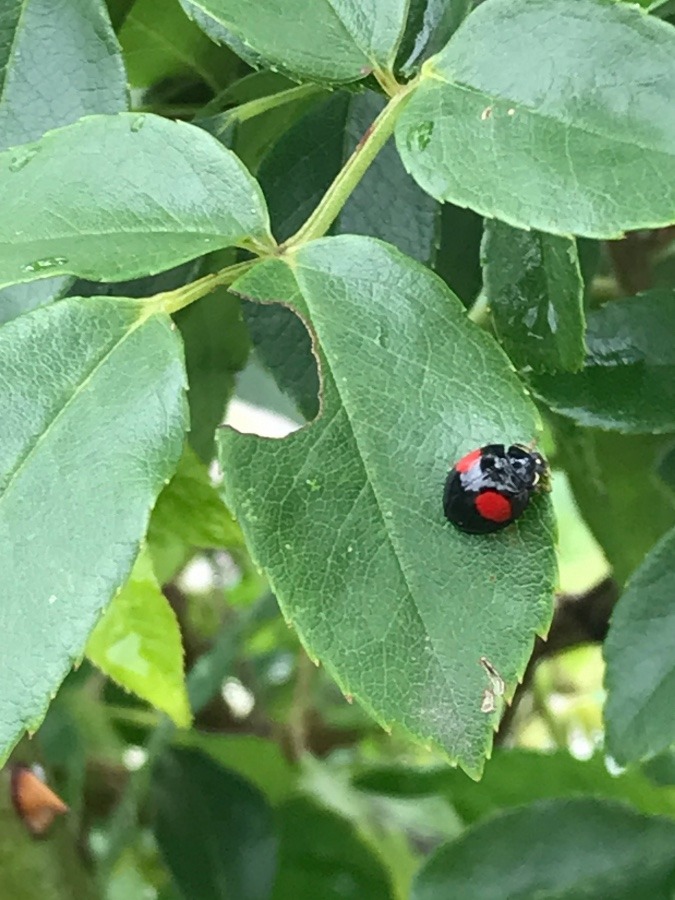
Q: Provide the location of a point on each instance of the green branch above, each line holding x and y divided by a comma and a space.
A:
172, 301
352, 172
260, 105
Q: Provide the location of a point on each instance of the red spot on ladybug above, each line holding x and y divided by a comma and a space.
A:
494, 506
467, 461
491, 487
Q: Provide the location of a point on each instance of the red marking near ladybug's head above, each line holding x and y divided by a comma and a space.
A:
494, 506
467, 461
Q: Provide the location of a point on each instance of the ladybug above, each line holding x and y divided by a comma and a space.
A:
491, 487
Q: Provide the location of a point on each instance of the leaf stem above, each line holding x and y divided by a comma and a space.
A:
261, 105
388, 82
352, 172
171, 301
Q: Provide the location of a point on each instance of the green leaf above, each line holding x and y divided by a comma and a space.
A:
533, 285
138, 644
513, 119
94, 414
628, 381
216, 348
189, 514
640, 674
214, 829
321, 855
325, 40
386, 204
614, 484
519, 776
457, 259
260, 760
176, 193
159, 42
430, 25
70, 52
346, 517
563, 849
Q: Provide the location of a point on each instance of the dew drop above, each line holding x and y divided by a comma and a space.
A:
42, 265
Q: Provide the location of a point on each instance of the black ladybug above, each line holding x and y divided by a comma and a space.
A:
491, 487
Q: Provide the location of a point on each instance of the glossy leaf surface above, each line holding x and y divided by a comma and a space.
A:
176, 194
628, 380
517, 116
94, 414
534, 288
346, 517
325, 40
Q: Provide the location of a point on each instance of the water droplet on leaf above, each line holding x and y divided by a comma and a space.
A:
41, 265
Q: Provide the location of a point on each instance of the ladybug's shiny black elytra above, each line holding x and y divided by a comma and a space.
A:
491, 487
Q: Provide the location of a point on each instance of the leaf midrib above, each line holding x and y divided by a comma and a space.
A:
391, 537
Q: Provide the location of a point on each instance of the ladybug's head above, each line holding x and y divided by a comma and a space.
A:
530, 466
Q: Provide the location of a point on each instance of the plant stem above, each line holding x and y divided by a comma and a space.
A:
387, 82
172, 301
261, 105
352, 172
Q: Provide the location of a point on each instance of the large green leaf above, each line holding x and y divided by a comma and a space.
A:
93, 417
628, 380
138, 644
640, 674
346, 516
325, 40
614, 484
115, 197
322, 856
214, 829
562, 849
70, 52
519, 776
533, 285
386, 204
514, 119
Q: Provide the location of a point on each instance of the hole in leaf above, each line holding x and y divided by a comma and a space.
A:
278, 391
